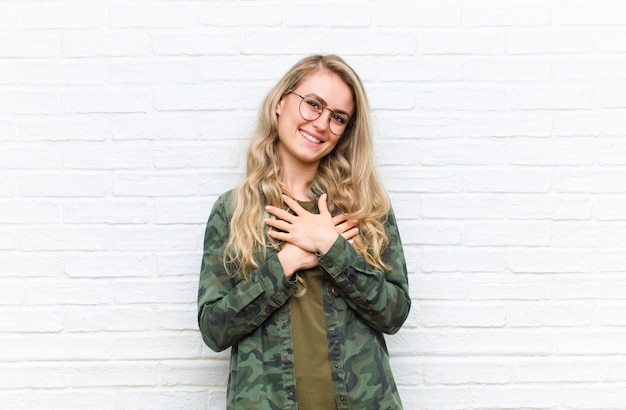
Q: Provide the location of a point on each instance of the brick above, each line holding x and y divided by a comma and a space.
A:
435, 206
233, 14
29, 45
509, 287
474, 371
8, 72
401, 152
497, 68
561, 40
270, 42
213, 43
64, 291
462, 315
557, 370
29, 320
60, 16
150, 346
460, 153
58, 238
376, 42
30, 102
29, 212
23, 156
64, 72
431, 233
515, 397
508, 180
109, 265
502, 233
150, 127
194, 98
107, 318
562, 97
555, 207
441, 98
423, 126
161, 291
408, 13
65, 185
158, 15
168, 211
427, 68
465, 41
459, 259
112, 44
63, 128
107, 211
25, 376
548, 315
177, 155
508, 124
151, 185
546, 260
107, 156
605, 287
107, 100
154, 71
29, 264
115, 374
496, 14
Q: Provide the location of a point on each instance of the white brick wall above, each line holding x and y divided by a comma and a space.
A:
500, 130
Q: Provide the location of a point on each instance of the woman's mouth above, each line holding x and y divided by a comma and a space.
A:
310, 138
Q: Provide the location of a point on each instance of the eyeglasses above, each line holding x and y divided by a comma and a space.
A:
311, 108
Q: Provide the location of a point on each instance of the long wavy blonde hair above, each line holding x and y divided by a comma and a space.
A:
347, 174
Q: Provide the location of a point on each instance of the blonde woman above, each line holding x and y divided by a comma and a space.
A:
303, 269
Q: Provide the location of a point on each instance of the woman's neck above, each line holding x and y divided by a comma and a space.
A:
297, 178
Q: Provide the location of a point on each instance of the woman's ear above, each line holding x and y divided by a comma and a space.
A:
279, 106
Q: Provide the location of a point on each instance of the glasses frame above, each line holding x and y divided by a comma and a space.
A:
324, 107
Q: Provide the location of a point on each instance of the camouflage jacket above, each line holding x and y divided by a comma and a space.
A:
252, 318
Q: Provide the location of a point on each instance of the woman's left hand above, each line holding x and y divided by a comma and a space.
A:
311, 232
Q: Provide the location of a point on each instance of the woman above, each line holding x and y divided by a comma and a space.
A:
303, 268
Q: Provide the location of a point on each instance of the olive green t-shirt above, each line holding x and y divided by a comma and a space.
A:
314, 388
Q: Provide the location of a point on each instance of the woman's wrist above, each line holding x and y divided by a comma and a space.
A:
327, 243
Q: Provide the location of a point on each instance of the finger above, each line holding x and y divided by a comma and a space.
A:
322, 206
348, 235
281, 236
337, 219
278, 224
279, 213
293, 205
346, 226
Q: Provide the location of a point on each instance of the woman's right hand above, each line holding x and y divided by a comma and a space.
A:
292, 258
346, 227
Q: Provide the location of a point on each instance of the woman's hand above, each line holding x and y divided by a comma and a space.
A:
314, 233
346, 227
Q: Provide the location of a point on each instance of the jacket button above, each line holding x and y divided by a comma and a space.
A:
290, 395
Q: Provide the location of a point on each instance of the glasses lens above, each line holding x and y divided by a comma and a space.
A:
338, 123
311, 108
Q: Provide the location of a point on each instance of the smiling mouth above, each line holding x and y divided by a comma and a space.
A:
310, 138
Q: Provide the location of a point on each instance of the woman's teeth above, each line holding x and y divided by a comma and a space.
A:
310, 138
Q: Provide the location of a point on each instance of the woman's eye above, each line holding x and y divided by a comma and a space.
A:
339, 119
313, 104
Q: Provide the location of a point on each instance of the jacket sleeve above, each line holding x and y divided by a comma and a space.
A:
229, 307
381, 299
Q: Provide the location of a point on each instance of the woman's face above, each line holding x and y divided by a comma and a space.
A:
306, 142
